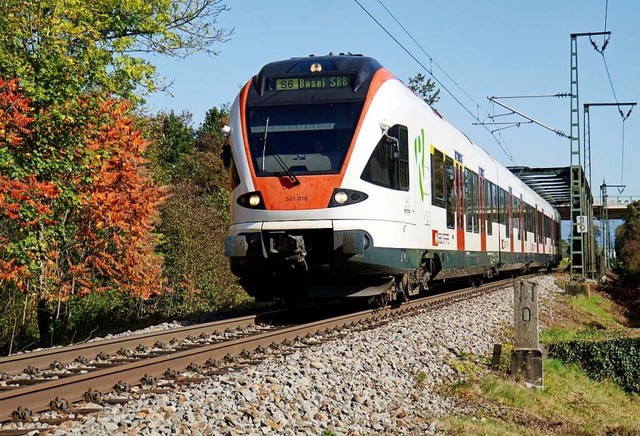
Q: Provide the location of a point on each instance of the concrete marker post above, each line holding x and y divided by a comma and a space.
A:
526, 357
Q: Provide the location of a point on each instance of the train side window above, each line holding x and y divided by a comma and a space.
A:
437, 178
495, 200
503, 207
467, 198
515, 216
449, 190
471, 200
525, 224
532, 223
475, 189
389, 167
489, 200
538, 227
509, 212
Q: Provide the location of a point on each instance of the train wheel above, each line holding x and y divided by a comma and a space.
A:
403, 288
403, 296
381, 300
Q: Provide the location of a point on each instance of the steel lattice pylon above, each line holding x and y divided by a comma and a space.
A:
582, 244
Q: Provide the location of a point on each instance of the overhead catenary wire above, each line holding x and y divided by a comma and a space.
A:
430, 71
623, 116
431, 61
622, 157
606, 13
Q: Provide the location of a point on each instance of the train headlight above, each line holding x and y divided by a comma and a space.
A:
254, 200
251, 200
340, 197
345, 197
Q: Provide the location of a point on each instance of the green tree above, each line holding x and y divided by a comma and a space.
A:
60, 48
425, 90
627, 243
195, 218
71, 57
173, 138
209, 133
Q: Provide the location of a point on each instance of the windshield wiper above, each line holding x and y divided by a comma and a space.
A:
266, 147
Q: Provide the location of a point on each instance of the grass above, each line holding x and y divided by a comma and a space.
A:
585, 318
570, 402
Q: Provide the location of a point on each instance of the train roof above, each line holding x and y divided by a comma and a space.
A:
360, 69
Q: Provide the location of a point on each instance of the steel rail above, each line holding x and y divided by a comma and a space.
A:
38, 397
41, 359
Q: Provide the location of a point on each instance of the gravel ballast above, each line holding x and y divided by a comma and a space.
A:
374, 381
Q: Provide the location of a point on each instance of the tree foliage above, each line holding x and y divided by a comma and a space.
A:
60, 48
25, 201
627, 243
195, 218
77, 204
76, 209
618, 360
425, 90
173, 139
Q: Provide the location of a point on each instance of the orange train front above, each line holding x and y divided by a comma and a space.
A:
345, 183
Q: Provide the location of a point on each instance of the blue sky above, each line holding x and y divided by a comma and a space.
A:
493, 47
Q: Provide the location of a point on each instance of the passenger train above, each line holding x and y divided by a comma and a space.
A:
345, 183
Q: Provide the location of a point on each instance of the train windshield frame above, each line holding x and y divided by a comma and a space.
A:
305, 139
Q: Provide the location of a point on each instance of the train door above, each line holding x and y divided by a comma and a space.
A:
536, 237
449, 184
544, 233
389, 168
510, 220
523, 231
482, 211
459, 199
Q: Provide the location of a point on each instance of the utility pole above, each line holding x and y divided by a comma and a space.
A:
604, 217
587, 131
604, 213
582, 249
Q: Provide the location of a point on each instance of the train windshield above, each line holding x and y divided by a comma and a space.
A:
301, 139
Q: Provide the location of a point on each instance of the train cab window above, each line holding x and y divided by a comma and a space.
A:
388, 165
449, 190
308, 139
437, 178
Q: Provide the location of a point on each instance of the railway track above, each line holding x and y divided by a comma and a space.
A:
201, 358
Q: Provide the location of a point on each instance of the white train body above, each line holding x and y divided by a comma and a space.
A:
343, 185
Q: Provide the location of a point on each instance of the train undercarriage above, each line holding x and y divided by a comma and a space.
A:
326, 265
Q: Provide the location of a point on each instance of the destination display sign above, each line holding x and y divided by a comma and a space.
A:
318, 82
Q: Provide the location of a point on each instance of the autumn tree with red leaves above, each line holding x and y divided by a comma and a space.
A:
76, 207
118, 209
24, 201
